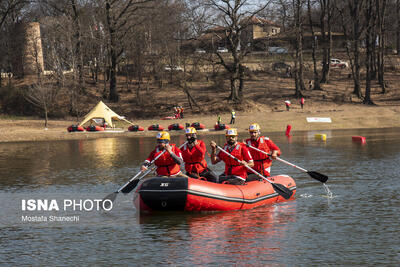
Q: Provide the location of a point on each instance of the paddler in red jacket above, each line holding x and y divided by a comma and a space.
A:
169, 162
235, 172
262, 162
194, 153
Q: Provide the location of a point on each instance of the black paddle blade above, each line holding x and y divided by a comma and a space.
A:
282, 190
318, 176
111, 197
129, 187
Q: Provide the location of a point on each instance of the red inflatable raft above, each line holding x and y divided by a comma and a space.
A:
198, 126
93, 128
75, 128
176, 127
220, 127
135, 128
155, 127
189, 194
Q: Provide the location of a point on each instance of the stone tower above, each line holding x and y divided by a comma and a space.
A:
27, 50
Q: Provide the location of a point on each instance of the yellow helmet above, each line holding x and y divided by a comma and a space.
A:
163, 136
231, 132
254, 127
191, 130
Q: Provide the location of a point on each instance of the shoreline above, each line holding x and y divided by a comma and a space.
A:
345, 116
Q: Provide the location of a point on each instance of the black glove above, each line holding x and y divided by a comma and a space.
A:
191, 140
146, 164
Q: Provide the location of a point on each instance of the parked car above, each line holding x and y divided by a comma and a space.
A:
173, 68
200, 51
280, 65
277, 50
337, 63
222, 50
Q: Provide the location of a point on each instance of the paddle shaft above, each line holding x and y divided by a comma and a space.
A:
137, 175
281, 160
248, 167
279, 188
313, 174
145, 172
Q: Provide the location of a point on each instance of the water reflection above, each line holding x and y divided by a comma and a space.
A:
250, 236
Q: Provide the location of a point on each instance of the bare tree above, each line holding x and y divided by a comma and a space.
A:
326, 37
283, 10
381, 17
299, 65
235, 16
9, 12
119, 17
43, 95
370, 37
73, 11
353, 29
8, 6
398, 26
317, 85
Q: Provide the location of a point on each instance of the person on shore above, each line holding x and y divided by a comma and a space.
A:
194, 153
219, 119
233, 117
289, 72
235, 172
262, 162
176, 112
302, 102
287, 104
169, 163
182, 112
104, 124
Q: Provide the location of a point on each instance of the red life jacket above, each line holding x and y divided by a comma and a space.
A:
194, 157
166, 166
262, 163
232, 167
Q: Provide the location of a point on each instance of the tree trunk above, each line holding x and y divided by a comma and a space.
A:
299, 51
381, 10
325, 18
241, 82
45, 117
356, 53
317, 85
398, 27
113, 96
369, 63
78, 46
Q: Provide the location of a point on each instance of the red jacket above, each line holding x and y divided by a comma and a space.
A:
194, 157
232, 167
262, 163
166, 166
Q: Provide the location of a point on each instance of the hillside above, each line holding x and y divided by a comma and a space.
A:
265, 90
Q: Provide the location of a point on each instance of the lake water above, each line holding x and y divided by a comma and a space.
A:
358, 226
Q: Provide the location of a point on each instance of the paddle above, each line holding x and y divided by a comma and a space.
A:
316, 175
279, 188
131, 184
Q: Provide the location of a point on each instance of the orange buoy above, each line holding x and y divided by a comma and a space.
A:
288, 128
